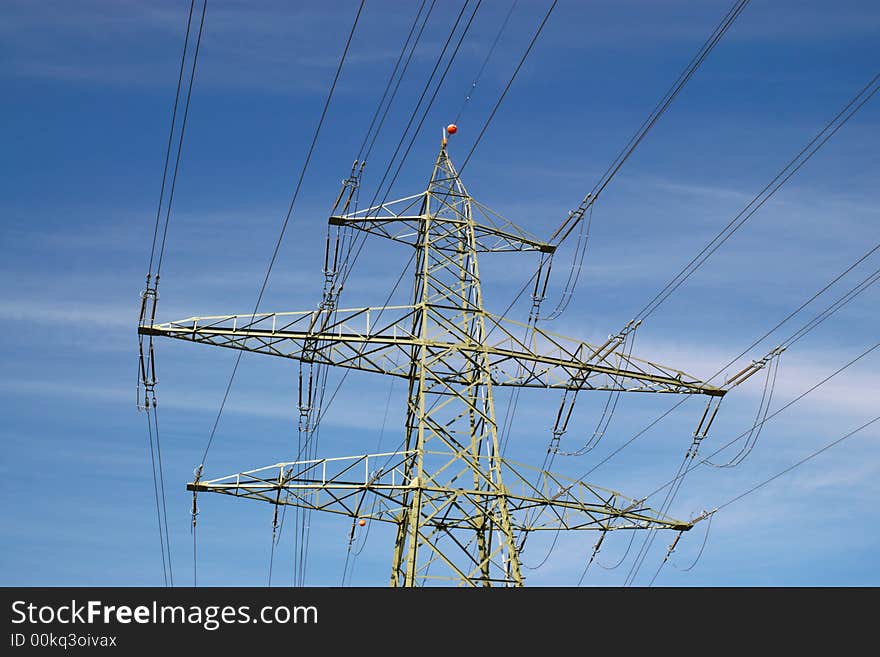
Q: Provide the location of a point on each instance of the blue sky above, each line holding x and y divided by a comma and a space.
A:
86, 104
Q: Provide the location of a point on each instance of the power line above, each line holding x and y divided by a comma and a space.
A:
156, 495
513, 401
568, 225
170, 139
824, 314
765, 482
375, 134
684, 468
162, 488
180, 141
615, 166
433, 97
349, 260
507, 86
768, 418
585, 208
310, 443
792, 167
478, 77
148, 303
286, 221
799, 463
419, 104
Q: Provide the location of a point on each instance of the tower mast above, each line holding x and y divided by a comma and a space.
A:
457, 504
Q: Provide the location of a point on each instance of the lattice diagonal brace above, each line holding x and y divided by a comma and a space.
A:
455, 502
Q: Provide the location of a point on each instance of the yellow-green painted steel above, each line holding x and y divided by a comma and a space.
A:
457, 505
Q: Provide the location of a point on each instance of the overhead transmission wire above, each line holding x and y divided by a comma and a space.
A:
575, 218
613, 168
349, 555
565, 229
309, 445
672, 547
473, 87
286, 220
345, 245
162, 251
797, 335
755, 343
763, 408
770, 480
363, 151
797, 464
608, 409
147, 376
678, 480
373, 135
700, 552
792, 167
514, 398
586, 207
560, 427
158, 507
690, 456
776, 183
349, 259
170, 139
485, 126
674, 484
507, 86
645, 547
282, 232
787, 405
180, 141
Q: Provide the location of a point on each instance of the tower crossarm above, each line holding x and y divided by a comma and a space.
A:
545, 501
381, 340
373, 486
399, 221
375, 340
551, 360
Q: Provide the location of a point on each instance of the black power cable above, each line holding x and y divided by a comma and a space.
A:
286, 221
792, 167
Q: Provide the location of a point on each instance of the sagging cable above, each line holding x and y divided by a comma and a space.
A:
612, 346
751, 437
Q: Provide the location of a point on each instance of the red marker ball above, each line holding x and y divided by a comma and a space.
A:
362, 522
452, 128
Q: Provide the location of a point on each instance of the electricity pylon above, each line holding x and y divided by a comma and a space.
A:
457, 504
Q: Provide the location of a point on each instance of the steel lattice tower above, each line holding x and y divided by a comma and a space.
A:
459, 507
